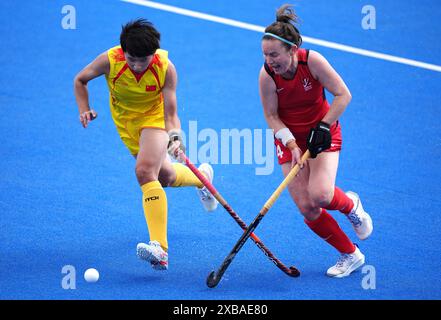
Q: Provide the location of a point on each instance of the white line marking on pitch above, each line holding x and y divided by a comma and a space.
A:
253, 27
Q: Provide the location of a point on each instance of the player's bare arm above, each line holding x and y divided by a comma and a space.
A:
331, 81
172, 122
170, 101
268, 96
96, 68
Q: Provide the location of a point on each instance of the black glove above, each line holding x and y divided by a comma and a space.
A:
319, 139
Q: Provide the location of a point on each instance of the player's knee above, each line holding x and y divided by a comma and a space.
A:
308, 208
310, 213
321, 197
145, 173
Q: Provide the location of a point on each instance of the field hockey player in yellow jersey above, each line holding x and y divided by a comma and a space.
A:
142, 84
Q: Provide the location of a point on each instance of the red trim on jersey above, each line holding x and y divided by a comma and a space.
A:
118, 55
137, 75
155, 60
155, 74
124, 68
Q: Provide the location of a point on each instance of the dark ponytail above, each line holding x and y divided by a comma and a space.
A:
284, 26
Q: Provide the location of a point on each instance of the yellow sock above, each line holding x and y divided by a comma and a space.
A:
185, 177
154, 202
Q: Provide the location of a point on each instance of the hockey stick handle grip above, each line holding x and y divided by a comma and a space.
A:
276, 194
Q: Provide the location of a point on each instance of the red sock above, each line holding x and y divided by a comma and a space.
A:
340, 202
328, 229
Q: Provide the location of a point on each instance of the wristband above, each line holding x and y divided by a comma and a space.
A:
284, 135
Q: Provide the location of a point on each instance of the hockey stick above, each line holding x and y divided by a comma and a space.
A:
291, 271
214, 277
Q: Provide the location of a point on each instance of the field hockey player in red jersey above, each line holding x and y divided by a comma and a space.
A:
292, 86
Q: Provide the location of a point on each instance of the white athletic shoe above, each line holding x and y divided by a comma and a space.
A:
347, 263
360, 219
154, 254
210, 203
